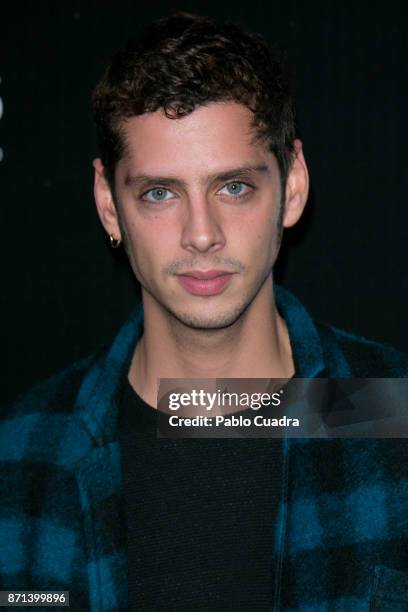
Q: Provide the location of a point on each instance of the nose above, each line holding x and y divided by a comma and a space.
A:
202, 230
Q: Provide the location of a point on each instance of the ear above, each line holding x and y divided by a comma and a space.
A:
104, 201
297, 187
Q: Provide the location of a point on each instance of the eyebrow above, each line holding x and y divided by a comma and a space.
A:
140, 180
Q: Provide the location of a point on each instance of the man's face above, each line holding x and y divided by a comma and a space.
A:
198, 200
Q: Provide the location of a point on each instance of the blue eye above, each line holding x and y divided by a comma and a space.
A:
235, 188
158, 194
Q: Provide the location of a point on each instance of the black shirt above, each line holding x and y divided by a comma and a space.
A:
201, 517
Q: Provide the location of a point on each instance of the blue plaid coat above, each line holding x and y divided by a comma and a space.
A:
341, 534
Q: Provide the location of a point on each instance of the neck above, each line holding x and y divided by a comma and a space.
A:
257, 345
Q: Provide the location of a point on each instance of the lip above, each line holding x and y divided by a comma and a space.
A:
209, 282
207, 274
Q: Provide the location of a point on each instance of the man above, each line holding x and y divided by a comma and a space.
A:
199, 173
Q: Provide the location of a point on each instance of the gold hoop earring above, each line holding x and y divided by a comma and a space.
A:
114, 242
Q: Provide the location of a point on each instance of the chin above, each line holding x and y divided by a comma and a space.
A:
208, 321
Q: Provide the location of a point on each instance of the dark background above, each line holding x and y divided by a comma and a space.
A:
64, 293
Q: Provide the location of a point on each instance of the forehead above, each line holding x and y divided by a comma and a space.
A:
212, 136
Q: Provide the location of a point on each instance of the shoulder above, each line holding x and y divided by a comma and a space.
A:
365, 357
56, 393
339, 353
41, 423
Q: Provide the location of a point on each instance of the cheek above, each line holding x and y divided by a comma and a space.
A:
149, 244
258, 233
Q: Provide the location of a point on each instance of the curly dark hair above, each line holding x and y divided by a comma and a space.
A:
183, 61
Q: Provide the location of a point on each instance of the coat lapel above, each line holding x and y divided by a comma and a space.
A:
99, 474
100, 486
